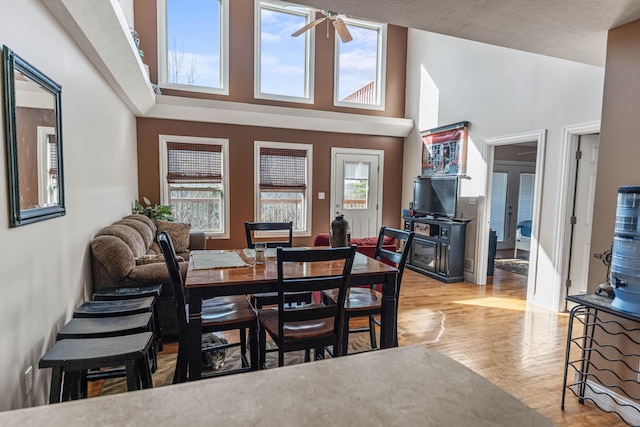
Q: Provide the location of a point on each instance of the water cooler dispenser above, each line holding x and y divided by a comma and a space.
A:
625, 257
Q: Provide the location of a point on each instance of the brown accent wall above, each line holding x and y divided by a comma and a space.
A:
241, 146
617, 161
619, 152
241, 70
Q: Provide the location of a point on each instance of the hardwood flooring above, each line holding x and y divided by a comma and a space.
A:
491, 330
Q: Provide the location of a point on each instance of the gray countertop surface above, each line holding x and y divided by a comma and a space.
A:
406, 386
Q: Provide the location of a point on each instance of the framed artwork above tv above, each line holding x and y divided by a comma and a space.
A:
444, 150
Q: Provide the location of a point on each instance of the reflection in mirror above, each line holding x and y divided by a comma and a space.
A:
34, 143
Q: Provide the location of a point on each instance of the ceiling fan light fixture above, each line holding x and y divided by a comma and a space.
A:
338, 23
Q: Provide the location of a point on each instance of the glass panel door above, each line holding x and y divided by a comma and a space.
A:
499, 204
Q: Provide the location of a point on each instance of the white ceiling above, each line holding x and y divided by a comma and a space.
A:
571, 29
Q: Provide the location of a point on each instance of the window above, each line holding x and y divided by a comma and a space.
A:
360, 66
356, 185
283, 64
283, 184
195, 182
193, 45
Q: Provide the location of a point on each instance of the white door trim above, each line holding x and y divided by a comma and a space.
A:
482, 238
332, 199
570, 138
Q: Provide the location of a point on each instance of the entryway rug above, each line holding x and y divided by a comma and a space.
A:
514, 265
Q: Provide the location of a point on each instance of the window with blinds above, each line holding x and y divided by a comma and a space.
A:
283, 172
195, 182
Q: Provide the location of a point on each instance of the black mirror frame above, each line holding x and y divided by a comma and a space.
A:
18, 216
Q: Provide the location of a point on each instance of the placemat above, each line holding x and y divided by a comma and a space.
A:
211, 260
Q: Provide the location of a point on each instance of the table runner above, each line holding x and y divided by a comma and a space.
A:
212, 260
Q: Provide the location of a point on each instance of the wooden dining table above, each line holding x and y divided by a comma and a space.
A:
203, 283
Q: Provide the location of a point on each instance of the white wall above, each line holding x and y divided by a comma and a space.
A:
500, 92
45, 267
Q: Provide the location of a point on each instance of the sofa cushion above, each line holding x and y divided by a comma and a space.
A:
150, 259
128, 235
144, 219
142, 228
114, 255
179, 232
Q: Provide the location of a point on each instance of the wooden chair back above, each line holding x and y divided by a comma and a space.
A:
252, 227
171, 260
338, 280
405, 239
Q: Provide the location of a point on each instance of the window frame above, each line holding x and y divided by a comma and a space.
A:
309, 50
307, 197
163, 69
381, 66
164, 185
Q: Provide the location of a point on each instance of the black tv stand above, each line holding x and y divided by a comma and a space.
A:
438, 247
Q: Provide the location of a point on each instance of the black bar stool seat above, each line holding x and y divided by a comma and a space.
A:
70, 359
110, 294
115, 307
102, 327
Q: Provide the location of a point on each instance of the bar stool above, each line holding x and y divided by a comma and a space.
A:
126, 307
127, 293
70, 360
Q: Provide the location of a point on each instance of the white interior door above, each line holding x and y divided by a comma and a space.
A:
583, 213
357, 188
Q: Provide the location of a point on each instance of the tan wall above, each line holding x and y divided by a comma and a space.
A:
619, 148
241, 69
241, 142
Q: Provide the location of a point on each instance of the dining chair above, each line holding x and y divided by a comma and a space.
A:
367, 301
218, 314
312, 326
271, 298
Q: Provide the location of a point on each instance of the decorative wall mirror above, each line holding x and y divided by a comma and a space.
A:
34, 142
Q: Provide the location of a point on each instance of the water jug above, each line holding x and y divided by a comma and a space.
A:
625, 256
339, 236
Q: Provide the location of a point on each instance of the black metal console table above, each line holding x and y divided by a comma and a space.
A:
606, 374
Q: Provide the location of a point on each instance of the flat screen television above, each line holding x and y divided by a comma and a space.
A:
435, 196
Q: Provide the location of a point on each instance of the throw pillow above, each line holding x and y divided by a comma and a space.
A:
179, 232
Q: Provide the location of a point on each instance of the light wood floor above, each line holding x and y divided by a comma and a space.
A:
491, 330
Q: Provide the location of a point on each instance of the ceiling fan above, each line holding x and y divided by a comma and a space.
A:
338, 23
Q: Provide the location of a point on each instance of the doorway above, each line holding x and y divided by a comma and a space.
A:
484, 210
577, 188
356, 189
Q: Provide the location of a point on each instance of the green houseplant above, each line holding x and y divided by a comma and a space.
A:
155, 212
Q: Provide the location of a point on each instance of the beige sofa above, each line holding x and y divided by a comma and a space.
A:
125, 254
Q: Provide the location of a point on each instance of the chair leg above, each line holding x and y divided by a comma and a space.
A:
280, 357
243, 343
307, 355
56, 385
145, 373
133, 375
71, 386
254, 348
345, 338
372, 332
180, 374
262, 341
319, 353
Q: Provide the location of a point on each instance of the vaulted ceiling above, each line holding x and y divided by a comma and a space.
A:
570, 29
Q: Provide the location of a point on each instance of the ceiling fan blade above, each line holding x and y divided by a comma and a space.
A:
342, 30
308, 26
